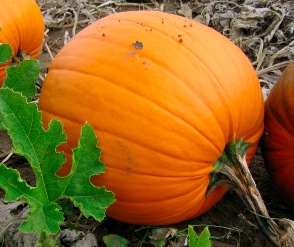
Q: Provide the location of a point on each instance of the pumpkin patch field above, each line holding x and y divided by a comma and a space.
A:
144, 123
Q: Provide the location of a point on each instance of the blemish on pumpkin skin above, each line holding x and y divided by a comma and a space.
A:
138, 45
133, 54
129, 170
126, 156
145, 64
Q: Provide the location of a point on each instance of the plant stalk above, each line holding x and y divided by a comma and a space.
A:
232, 169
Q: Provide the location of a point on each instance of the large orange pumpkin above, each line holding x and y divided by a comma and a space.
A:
278, 140
22, 27
165, 95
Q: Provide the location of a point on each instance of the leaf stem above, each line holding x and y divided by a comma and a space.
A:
232, 169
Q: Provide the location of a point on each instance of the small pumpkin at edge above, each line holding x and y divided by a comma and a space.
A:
278, 140
22, 27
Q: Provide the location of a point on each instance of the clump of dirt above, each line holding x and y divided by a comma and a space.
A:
262, 29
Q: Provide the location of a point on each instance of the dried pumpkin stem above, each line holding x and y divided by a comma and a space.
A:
231, 169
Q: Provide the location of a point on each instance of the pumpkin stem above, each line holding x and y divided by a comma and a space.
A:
231, 169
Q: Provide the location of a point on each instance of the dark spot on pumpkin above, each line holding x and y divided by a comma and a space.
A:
138, 45
145, 65
103, 34
181, 40
162, 21
179, 35
133, 54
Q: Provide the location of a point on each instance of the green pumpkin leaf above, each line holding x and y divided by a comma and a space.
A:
5, 53
115, 240
86, 163
22, 78
203, 240
193, 237
23, 123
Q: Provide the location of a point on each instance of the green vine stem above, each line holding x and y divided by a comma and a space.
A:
47, 240
231, 169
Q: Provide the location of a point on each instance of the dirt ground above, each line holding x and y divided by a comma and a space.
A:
230, 223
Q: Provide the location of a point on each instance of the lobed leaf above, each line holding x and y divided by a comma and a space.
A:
193, 238
20, 78
86, 163
23, 123
203, 240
